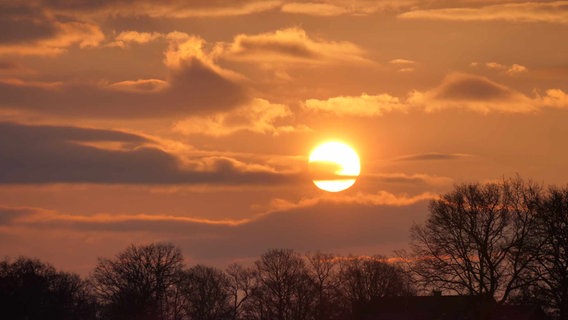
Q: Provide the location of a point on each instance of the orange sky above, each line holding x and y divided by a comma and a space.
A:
191, 121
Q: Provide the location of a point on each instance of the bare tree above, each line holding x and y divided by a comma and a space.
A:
553, 254
206, 292
31, 289
324, 270
364, 279
140, 282
241, 284
477, 239
283, 289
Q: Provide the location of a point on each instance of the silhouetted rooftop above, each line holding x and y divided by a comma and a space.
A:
439, 307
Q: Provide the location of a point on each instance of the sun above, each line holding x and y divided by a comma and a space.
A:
334, 166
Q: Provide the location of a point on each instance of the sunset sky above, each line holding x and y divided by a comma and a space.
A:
191, 121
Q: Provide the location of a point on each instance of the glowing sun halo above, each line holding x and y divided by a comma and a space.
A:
334, 166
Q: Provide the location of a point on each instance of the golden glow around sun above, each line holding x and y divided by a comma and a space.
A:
334, 166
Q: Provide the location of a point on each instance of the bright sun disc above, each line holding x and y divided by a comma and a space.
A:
334, 166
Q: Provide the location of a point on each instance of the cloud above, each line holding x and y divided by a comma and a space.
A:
196, 85
57, 154
11, 215
511, 70
415, 179
433, 156
13, 68
483, 95
325, 223
364, 105
402, 61
127, 37
31, 30
380, 198
290, 45
223, 8
456, 91
551, 12
161, 9
140, 85
475, 93
403, 65
553, 98
338, 7
314, 9
259, 116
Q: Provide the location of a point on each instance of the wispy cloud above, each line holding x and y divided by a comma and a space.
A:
512, 70
259, 116
128, 37
196, 85
551, 12
433, 156
52, 154
291, 45
30, 30
337, 7
162, 9
414, 179
326, 223
456, 91
480, 94
364, 105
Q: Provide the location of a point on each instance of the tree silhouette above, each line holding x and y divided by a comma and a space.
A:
477, 239
364, 279
324, 270
206, 293
30, 289
140, 283
283, 289
241, 287
553, 253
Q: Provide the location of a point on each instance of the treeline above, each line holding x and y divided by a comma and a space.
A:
507, 240
151, 282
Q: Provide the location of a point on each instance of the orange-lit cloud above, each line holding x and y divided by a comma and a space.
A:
433, 156
553, 98
402, 61
336, 7
140, 85
404, 65
259, 116
377, 199
364, 105
292, 45
457, 91
52, 154
483, 95
13, 68
413, 179
511, 70
552, 12
161, 9
127, 37
327, 224
30, 30
195, 85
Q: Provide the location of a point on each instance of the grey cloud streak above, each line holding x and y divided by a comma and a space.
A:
21, 23
193, 89
433, 156
50, 154
323, 225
